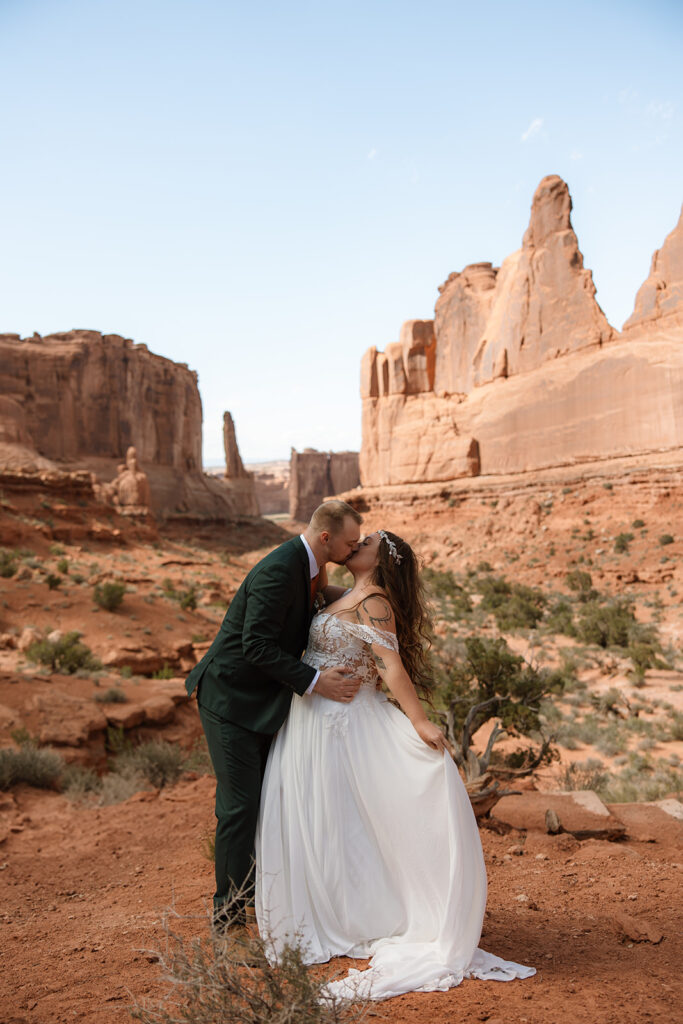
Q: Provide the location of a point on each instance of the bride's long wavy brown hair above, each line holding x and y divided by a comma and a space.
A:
401, 583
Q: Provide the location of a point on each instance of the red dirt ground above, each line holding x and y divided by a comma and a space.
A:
83, 892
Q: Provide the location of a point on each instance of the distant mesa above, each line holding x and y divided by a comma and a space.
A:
79, 400
520, 370
314, 476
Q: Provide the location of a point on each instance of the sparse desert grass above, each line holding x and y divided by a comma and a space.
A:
77, 782
158, 762
590, 774
30, 764
210, 979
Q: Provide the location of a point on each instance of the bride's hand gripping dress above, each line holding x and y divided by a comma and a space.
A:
367, 844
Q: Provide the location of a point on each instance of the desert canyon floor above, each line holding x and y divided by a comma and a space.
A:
85, 883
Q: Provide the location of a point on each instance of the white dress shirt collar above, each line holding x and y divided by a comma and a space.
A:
312, 561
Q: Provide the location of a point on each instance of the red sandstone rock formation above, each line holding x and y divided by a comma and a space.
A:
80, 399
660, 298
315, 475
520, 369
241, 482
271, 482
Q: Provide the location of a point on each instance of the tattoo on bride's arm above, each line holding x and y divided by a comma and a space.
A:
379, 660
378, 612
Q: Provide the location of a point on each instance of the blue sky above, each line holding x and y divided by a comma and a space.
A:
264, 190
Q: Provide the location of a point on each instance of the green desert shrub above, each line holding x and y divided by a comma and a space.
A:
111, 696
665, 539
63, 566
158, 762
188, 598
581, 583
612, 625
109, 595
622, 542
68, 654
560, 618
166, 672
638, 524
30, 764
8, 564
444, 588
514, 605
480, 678
644, 654
53, 582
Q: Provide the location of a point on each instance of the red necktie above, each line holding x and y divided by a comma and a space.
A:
314, 587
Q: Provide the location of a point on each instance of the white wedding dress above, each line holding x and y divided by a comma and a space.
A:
367, 845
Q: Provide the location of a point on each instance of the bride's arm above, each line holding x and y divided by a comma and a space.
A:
376, 611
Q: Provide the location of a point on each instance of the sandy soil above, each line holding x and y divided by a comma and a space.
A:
83, 892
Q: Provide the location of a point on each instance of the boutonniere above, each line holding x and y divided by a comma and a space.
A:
319, 603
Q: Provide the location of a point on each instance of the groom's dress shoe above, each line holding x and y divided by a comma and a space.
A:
239, 946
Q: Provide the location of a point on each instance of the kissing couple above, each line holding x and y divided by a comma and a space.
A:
342, 821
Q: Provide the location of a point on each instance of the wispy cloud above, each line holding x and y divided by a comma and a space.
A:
576, 155
660, 111
373, 153
533, 129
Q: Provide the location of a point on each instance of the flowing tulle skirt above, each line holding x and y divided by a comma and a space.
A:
367, 846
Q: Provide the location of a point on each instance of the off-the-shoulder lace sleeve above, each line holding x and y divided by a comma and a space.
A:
383, 637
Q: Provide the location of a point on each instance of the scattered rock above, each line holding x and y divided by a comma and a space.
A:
637, 929
66, 720
159, 710
29, 636
125, 716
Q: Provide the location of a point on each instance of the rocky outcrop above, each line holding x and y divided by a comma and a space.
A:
659, 302
271, 483
80, 399
520, 369
314, 476
240, 481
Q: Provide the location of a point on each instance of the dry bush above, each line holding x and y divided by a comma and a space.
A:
215, 980
31, 765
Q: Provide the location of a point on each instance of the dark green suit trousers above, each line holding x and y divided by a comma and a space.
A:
245, 684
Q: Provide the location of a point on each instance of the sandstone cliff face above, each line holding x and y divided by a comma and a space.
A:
527, 372
271, 483
80, 399
659, 301
85, 394
314, 476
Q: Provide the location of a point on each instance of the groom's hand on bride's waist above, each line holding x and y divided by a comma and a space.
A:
337, 684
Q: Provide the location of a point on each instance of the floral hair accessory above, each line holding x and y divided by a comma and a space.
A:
392, 547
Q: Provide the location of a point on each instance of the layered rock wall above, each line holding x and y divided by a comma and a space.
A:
520, 369
81, 399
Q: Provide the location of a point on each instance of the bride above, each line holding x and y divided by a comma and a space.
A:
367, 845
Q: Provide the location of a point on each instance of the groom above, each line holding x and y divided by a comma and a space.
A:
246, 680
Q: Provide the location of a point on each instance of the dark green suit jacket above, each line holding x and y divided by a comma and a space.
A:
252, 669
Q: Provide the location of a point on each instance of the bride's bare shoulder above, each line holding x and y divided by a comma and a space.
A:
375, 610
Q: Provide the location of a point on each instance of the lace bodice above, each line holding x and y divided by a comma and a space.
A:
333, 641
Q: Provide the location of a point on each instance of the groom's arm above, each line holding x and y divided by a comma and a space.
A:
268, 603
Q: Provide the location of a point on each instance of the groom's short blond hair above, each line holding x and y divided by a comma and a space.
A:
330, 516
